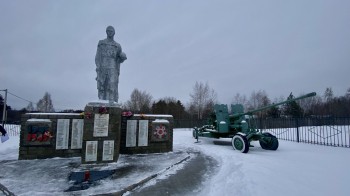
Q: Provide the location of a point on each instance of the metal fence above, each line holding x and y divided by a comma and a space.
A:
330, 131
12, 130
189, 123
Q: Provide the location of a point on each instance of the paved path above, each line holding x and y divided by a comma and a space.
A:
186, 181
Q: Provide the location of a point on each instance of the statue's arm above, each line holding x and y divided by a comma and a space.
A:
121, 56
98, 56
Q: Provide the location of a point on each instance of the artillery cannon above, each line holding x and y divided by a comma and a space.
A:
234, 125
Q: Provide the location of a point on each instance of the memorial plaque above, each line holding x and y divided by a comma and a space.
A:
62, 134
101, 125
77, 134
131, 133
143, 133
108, 150
91, 151
160, 131
38, 132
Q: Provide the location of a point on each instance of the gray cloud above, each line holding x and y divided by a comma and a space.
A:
236, 46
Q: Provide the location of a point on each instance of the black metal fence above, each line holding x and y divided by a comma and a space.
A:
330, 131
189, 123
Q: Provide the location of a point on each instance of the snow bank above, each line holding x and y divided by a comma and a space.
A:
161, 121
9, 149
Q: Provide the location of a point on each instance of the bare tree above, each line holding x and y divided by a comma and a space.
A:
203, 99
328, 95
239, 99
140, 101
308, 105
258, 99
347, 94
45, 104
30, 107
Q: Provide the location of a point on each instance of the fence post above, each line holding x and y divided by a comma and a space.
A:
4, 109
260, 124
297, 125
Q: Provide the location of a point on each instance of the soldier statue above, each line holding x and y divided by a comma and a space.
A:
108, 58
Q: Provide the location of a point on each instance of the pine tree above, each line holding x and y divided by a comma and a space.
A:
293, 108
273, 112
170, 106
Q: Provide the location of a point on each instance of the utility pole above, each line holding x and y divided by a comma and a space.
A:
4, 109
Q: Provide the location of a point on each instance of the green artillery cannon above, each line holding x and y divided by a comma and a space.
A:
234, 125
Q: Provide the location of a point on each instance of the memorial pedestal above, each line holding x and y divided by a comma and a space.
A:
101, 139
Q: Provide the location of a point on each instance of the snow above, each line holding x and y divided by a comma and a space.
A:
294, 169
76, 114
39, 120
155, 115
9, 149
103, 103
161, 121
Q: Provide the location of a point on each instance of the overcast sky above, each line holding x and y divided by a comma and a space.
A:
236, 46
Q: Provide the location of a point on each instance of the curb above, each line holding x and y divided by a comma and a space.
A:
133, 186
6, 191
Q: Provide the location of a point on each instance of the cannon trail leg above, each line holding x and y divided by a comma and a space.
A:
268, 142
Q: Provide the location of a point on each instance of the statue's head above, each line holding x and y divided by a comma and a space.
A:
110, 32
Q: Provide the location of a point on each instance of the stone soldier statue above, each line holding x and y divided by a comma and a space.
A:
108, 58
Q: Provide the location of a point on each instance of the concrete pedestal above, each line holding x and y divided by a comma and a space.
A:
101, 139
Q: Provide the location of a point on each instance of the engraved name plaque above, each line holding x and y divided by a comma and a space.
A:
108, 150
101, 125
62, 134
143, 133
77, 134
91, 151
131, 133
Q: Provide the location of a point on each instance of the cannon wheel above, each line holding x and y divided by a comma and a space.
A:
271, 145
240, 143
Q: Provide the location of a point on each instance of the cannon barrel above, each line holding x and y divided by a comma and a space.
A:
273, 105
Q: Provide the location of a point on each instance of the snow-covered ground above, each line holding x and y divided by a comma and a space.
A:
294, 169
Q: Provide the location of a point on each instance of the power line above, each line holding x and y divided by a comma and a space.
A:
19, 97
